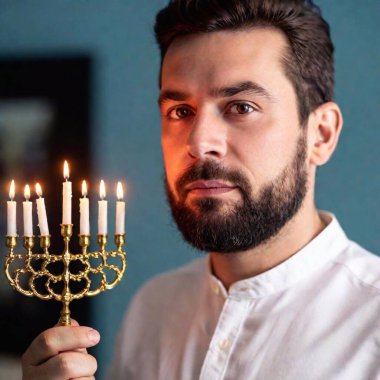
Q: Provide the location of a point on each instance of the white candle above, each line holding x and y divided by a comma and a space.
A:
84, 228
66, 196
41, 212
102, 216
120, 210
27, 213
11, 212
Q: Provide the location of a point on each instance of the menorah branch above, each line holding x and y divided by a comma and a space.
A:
24, 271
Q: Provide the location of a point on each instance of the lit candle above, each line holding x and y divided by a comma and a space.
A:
27, 213
11, 212
120, 210
66, 196
41, 212
102, 216
84, 228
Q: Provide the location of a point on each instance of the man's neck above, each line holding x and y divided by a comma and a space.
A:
297, 233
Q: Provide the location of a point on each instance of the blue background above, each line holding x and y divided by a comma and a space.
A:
126, 139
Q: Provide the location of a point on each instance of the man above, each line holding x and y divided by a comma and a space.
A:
247, 117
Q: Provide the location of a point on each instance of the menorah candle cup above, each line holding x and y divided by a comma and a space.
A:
45, 242
119, 240
102, 242
11, 242
84, 240
28, 243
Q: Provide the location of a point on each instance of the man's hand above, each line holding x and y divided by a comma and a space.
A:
60, 353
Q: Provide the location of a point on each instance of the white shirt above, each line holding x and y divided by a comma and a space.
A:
315, 316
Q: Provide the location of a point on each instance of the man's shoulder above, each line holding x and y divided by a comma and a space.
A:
362, 265
196, 269
184, 282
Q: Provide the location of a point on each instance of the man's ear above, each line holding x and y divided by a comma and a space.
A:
325, 125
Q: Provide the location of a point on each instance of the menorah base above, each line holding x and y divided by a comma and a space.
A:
64, 321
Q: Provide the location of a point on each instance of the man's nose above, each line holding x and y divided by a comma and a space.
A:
207, 138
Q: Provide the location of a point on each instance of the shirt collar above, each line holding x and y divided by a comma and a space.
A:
323, 248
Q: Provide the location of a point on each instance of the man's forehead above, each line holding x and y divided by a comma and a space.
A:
249, 42
220, 61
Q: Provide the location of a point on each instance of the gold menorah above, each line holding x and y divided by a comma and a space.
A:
86, 275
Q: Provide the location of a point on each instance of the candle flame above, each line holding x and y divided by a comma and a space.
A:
119, 191
102, 190
27, 192
66, 172
12, 190
38, 190
84, 189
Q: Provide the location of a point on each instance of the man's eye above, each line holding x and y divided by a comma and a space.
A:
178, 113
241, 108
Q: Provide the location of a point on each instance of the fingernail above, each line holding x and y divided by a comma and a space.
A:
94, 336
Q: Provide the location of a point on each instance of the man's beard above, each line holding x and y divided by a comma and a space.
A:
208, 226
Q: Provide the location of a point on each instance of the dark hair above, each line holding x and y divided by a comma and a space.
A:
308, 63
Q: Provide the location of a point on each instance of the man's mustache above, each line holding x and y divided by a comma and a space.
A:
210, 170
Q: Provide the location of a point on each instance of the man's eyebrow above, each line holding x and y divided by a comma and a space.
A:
246, 87
167, 95
241, 87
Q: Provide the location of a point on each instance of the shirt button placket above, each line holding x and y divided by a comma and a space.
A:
233, 315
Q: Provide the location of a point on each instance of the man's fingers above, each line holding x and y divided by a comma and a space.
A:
75, 323
59, 339
67, 365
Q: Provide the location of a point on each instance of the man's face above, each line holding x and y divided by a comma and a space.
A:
233, 147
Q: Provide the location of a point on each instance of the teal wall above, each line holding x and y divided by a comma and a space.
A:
118, 34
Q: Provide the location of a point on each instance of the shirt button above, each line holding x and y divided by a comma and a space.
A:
224, 344
215, 288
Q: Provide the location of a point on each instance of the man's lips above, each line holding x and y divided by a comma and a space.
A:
209, 187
